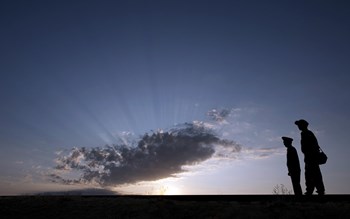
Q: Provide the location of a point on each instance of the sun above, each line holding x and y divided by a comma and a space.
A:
169, 190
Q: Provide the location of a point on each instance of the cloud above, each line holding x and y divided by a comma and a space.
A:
219, 115
262, 153
151, 157
180, 150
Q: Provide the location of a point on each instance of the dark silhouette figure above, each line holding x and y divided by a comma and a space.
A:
293, 165
310, 148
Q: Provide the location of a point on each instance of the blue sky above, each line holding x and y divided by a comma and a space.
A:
90, 73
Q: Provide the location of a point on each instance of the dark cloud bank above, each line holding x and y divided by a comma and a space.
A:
151, 157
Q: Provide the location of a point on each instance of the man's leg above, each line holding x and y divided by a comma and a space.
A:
319, 181
296, 183
309, 179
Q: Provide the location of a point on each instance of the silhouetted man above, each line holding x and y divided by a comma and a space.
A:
310, 148
293, 165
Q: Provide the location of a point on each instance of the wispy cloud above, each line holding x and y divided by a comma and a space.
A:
219, 115
261, 153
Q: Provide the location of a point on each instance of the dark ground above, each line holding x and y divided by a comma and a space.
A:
200, 206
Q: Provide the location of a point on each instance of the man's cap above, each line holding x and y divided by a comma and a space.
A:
301, 122
287, 139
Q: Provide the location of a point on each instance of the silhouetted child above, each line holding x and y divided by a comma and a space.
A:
293, 165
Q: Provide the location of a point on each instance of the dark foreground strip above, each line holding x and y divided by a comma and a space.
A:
176, 206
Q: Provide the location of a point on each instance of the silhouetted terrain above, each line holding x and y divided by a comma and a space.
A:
226, 206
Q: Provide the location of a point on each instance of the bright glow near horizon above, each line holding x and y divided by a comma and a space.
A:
171, 190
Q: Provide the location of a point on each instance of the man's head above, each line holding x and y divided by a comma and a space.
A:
302, 124
287, 141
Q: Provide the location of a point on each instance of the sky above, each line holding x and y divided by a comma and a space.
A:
170, 97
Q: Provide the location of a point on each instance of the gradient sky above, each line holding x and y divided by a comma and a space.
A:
89, 73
